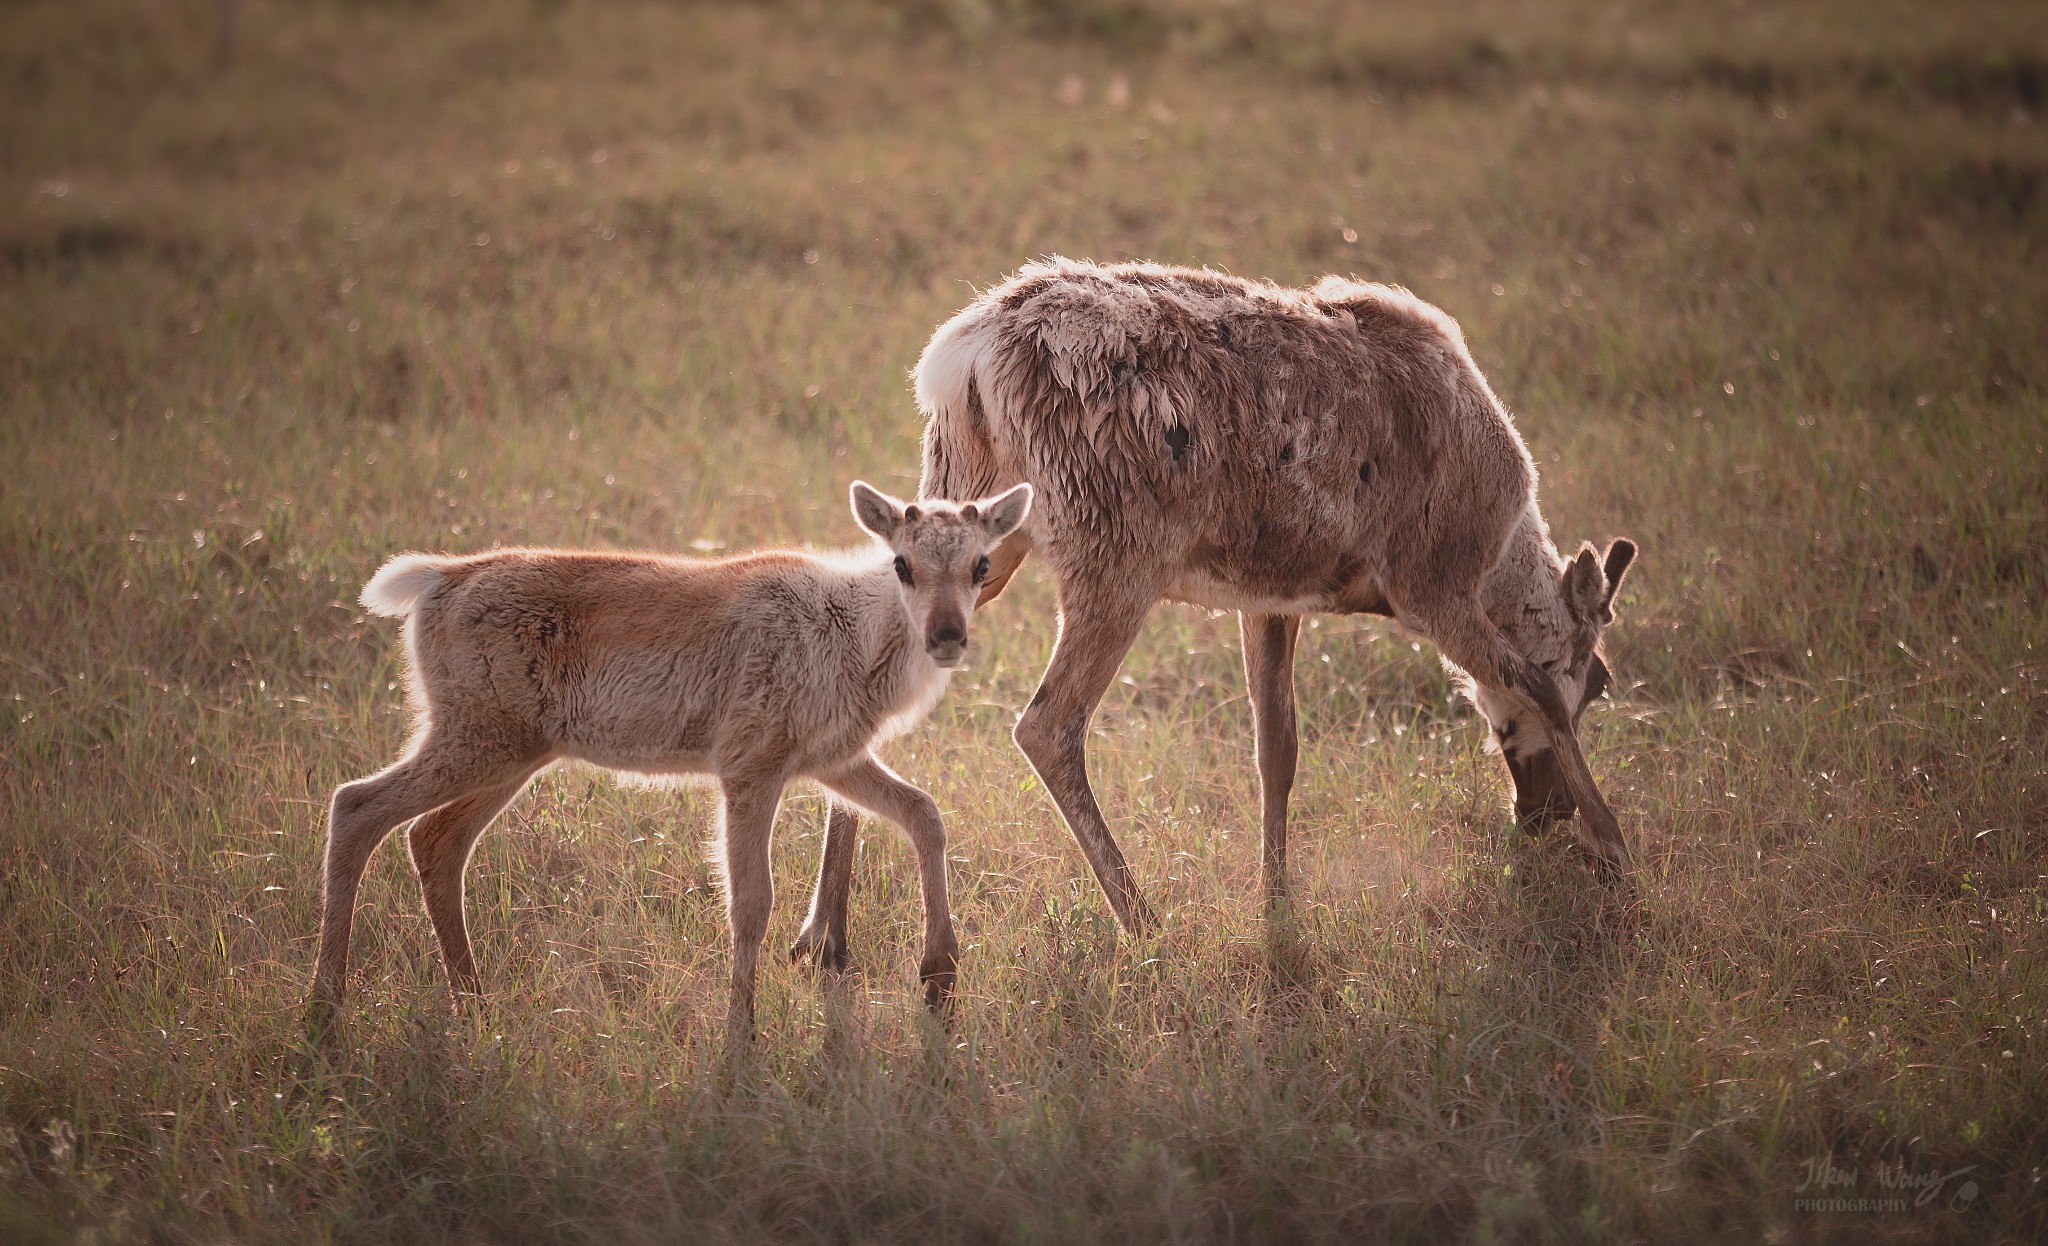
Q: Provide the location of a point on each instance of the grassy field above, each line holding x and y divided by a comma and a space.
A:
1764, 289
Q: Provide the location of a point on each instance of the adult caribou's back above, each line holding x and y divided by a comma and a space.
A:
1240, 445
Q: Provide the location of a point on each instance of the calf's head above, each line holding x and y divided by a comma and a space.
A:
941, 553
1575, 663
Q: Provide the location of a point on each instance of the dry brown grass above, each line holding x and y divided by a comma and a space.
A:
1760, 286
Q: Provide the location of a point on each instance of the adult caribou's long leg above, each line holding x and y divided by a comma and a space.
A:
1269, 674
1465, 635
1099, 618
823, 937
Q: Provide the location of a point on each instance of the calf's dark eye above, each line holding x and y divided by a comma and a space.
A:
902, 569
981, 569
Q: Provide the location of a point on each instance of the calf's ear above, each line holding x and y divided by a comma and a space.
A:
1004, 513
877, 511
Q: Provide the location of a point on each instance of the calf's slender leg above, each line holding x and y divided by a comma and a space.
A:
746, 827
872, 785
441, 843
365, 811
1098, 622
1269, 675
823, 937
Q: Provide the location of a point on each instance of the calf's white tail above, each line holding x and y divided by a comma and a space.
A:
396, 589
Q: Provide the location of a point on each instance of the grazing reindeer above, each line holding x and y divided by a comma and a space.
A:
1201, 438
758, 670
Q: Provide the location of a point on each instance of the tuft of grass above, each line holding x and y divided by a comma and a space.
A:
636, 275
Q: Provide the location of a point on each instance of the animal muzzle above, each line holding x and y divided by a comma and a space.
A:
945, 640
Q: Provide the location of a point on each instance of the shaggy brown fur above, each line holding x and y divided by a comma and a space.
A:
758, 670
1238, 445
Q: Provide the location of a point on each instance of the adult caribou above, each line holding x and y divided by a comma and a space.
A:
1202, 438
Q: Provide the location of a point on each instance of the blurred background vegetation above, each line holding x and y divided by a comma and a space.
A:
285, 288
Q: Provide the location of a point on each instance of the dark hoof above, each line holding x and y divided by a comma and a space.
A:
939, 978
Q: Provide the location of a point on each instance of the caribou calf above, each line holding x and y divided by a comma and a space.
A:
1202, 438
758, 670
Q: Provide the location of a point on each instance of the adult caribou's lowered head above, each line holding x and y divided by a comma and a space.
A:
1238, 445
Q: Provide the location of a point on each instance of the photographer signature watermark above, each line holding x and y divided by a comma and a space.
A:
1891, 1186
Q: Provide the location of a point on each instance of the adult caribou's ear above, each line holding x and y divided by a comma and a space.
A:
1004, 513
1621, 553
1585, 586
877, 511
